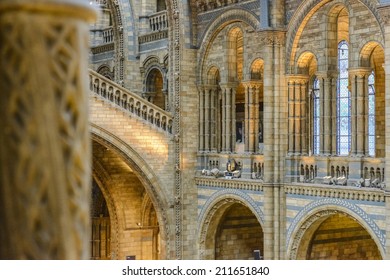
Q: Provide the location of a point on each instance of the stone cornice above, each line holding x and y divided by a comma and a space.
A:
240, 184
297, 78
360, 71
273, 37
341, 192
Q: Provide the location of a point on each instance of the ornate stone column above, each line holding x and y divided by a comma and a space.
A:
213, 118
207, 119
247, 114
359, 110
252, 90
297, 91
201, 91
228, 116
45, 144
328, 111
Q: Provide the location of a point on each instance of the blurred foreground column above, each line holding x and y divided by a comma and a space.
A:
44, 140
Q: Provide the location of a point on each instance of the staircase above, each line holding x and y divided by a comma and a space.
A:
133, 104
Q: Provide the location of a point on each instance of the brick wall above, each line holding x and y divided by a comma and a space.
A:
341, 238
239, 233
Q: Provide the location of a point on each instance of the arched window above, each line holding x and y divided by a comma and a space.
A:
343, 102
316, 116
371, 114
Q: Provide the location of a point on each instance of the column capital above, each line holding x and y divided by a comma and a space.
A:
360, 71
252, 83
273, 37
72, 8
228, 85
209, 86
297, 78
327, 74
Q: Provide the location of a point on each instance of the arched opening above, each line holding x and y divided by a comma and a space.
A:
101, 227
233, 233
238, 235
124, 219
337, 236
372, 57
338, 52
161, 5
235, 75
307, 65
254, 111
154, 88
213, 108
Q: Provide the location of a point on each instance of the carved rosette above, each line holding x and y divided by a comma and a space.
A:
45, 150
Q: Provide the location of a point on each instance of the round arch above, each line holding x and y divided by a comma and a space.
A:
146, 176
212, 213
100, 176
230, 16
366, 51
316, 212
303, 14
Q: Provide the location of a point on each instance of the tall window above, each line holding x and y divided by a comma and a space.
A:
371, 114
343, 102
316, 116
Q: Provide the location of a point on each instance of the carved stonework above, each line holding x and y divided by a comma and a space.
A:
272, 38
45, 150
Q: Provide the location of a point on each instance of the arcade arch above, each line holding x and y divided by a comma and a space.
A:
135, 210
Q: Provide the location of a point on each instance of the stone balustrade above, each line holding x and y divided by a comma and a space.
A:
158, 21
108, 35
251, 166
130, 102
351, 171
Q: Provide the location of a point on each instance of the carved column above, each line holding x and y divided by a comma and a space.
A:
201, 117
207, 119
228, 116
247, 114
213, 118
359, 110
297, 90
257, 115
45, 144
328, 112
252, 90
223, 118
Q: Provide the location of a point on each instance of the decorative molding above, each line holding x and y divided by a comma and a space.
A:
340, 192
237, 184
103, 48
214, 203
333, 206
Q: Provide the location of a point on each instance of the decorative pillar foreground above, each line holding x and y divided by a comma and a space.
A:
45, 150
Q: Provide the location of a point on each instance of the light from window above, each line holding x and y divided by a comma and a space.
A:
343, 102
316, 116
371, 114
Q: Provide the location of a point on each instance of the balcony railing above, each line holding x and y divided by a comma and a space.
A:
158, 21
130, 102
